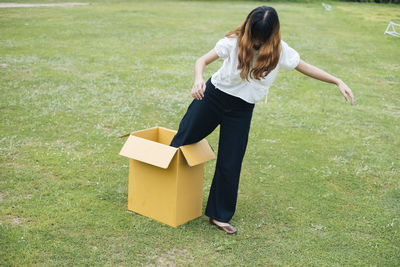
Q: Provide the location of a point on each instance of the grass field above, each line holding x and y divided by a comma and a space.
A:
320, 178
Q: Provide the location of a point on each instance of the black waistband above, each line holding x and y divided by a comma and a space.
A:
231, 98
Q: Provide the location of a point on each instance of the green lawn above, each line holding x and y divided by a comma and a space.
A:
320, 179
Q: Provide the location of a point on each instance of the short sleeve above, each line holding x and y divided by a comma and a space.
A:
223, 47
290, 59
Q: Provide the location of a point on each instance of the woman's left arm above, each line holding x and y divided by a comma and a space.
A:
321, 75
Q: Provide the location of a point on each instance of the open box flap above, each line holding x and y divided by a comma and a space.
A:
198, 153
125, 135
148, 151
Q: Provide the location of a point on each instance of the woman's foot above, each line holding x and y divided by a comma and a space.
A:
229, 229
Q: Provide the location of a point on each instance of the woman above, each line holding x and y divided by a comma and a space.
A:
252, 54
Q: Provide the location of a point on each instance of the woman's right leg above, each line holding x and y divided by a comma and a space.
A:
200, 119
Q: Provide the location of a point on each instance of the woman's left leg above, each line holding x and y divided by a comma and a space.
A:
234, 131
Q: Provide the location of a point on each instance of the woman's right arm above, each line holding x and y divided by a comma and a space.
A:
199, 86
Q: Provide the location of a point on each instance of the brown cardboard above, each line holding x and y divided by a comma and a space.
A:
165, 183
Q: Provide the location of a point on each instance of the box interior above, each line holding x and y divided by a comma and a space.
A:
157, 134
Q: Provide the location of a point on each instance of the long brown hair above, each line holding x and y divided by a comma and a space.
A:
261, 26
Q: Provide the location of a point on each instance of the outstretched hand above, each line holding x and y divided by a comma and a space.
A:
198, 89
345, 90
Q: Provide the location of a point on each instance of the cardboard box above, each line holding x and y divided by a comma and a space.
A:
165, 183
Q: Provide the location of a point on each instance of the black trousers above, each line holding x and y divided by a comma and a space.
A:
233, 114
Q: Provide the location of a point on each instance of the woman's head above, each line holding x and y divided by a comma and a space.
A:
260, 31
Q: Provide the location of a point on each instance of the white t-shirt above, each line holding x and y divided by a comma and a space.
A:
228, 79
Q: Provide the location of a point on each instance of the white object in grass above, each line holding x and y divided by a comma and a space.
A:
391, 29
327, 7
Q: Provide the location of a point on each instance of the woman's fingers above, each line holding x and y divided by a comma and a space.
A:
196, 94
202, 89
198, 90
345, 90
352, 97
345, 97
344, 94
199, 97
348, 91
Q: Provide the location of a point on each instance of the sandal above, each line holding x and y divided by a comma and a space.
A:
229, 229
